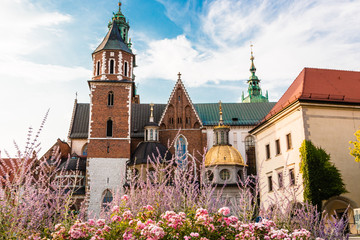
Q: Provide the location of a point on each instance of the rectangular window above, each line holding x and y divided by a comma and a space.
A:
280, 180
288, 141
267, 149
277, 144
235, 140
270, 183
292, 177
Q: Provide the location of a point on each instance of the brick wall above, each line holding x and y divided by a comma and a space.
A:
119, 58
119, 144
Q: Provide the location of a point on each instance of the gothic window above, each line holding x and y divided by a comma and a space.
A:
112, 66
110, 99
98, 68
107, 199
84, 149
125, 69
180, 152
225, 174
109, 128
250, 154
179, 98
156, 135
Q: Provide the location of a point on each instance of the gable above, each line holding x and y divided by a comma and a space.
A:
180, 111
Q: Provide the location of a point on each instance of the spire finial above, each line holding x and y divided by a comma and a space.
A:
179, 74
119, 6
76, 95
221, 122
151, 112
252, 68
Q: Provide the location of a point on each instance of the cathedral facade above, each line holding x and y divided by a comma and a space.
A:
115, 129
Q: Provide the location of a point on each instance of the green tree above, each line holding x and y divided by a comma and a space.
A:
321, 179
356, 150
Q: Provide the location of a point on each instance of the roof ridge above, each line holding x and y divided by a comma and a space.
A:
72, 118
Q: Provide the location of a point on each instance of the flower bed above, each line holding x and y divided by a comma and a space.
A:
196, 225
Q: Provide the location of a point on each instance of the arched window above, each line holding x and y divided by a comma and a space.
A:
109, 128
151, 135
125, 69
84, 150
156, 136
181, 150
112, 66
107, 199
98, 68
110, 99
250, 154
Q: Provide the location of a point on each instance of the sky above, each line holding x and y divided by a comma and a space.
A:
46, 48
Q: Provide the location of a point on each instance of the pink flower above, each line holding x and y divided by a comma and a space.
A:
115, 209
125, 198
148, 207
91, 222
224, 211
100, 222
194, 234
116, 218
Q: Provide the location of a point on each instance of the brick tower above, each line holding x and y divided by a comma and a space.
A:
112, 92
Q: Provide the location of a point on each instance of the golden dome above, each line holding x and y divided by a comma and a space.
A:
223, 155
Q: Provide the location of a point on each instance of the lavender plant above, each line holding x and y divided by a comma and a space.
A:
32, 199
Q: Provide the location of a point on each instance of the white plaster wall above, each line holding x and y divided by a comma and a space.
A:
77, 145
104, 173
287, 159
332, 127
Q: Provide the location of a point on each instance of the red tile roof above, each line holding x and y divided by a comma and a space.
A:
324, 85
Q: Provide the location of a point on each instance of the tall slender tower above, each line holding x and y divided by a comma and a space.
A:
254, 90
112, 92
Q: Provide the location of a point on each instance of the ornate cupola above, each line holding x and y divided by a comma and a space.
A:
151, 129
223, 163
148, 150
122, 24
254, 90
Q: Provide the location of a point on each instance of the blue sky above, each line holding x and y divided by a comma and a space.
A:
46, 48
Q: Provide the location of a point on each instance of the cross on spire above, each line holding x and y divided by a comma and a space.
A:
179, 74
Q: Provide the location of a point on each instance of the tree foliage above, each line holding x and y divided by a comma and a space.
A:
356, 150
321, 179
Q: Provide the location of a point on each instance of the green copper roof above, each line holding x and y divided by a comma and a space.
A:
254, 90
234, 114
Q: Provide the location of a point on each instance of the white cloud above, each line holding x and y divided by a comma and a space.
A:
30, 87
300, 34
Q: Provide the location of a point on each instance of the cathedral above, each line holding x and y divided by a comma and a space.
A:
115, 130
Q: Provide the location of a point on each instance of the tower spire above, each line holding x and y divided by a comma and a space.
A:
151, 112
119, 6
221, 121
